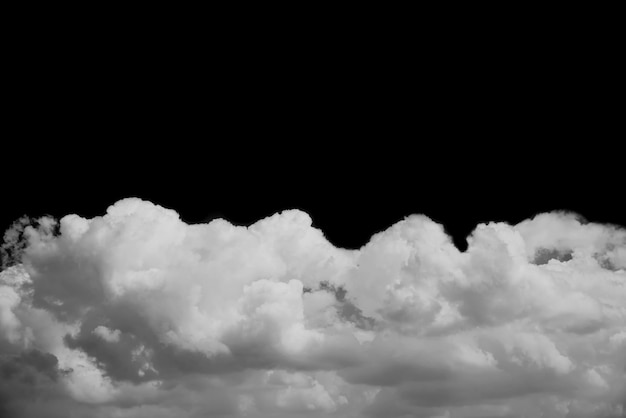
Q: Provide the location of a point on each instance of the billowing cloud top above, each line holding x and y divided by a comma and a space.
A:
137, 314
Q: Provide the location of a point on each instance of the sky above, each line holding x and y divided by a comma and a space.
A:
313, 238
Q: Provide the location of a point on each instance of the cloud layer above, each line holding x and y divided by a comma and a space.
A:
137, 314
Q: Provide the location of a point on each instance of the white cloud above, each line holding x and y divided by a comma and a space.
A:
111, 336
142, 315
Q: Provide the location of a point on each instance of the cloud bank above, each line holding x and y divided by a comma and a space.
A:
138, 314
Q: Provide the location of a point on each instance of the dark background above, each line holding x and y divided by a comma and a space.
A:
359, 133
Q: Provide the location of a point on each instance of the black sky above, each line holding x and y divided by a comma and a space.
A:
357, 142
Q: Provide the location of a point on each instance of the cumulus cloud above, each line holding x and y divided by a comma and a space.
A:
138, 314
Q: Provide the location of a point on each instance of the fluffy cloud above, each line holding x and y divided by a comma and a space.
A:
137, 314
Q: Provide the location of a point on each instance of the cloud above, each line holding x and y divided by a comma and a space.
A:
138, 314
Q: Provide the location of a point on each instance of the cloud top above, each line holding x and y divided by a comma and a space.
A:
138, 314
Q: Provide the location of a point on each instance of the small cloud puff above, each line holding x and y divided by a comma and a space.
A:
106, 334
